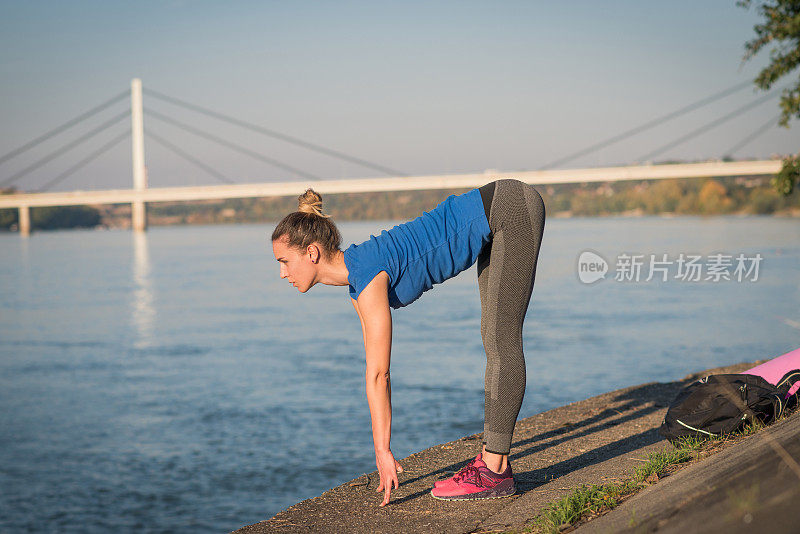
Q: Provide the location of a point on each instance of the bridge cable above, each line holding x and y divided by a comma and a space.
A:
273, 133
646, 126
233, 146
57, 130
713, 124
770, 124
166, 144
69, 146
85, 161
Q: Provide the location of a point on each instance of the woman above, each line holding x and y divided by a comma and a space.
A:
500, 226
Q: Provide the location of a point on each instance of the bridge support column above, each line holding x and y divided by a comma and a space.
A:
24, 222
138, 216
138, 208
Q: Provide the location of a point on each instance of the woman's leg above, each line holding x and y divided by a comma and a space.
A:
506, 272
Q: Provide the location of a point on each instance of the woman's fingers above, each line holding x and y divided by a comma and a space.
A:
385, 482
388, 468
386, 485
382, 483
392, 483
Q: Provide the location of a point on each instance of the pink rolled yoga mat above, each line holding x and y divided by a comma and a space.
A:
776, 368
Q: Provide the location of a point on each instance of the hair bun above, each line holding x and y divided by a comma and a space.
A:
311, 202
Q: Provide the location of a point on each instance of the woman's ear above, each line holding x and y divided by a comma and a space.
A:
313, 253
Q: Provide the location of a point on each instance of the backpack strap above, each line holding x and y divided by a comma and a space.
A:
695, 429
788, 380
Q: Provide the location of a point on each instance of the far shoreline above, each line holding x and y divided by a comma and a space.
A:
789, 214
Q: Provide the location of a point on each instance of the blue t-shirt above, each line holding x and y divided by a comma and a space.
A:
435, 246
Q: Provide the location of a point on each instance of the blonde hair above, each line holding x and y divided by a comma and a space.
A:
311, 202
309, 225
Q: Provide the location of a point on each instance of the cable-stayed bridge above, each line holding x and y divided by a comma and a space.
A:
141, 194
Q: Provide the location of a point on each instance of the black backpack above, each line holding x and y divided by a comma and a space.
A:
719, 404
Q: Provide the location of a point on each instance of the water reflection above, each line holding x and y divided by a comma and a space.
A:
143, 313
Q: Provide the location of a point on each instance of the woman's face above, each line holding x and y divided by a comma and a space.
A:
296, 266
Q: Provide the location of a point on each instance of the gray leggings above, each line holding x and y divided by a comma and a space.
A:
506, 272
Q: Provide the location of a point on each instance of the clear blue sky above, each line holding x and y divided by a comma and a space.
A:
423, 87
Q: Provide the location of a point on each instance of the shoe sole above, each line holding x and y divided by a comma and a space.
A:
497, 492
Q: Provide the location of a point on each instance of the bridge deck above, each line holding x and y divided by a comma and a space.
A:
362, 185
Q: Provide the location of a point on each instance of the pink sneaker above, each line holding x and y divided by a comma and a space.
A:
453, 480
475, 481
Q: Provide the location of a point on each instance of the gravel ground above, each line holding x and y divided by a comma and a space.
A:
596, 440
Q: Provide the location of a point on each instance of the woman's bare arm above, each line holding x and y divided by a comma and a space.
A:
376, 322
373, 305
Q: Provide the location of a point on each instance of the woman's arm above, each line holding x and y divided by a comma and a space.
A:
376, 322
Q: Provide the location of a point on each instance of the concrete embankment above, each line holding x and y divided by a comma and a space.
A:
597, 440
752, 487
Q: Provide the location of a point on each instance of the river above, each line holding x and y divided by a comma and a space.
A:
171, 382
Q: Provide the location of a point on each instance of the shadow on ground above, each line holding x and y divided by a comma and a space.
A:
585, 442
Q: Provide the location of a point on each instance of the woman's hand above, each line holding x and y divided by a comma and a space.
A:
388, 468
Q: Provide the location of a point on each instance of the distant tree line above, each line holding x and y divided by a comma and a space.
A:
686, 196
52, 218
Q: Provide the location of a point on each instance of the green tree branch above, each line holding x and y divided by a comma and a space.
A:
781, 29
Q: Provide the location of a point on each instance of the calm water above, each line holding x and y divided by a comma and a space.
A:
173, 383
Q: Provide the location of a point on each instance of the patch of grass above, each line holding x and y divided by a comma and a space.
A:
659, 461
583, 500
588, 500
